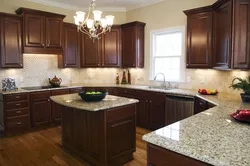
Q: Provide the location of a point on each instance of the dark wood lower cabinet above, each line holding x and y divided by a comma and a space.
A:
103, 137
75, 90
56, 110
40, 108
158, 156
201, 105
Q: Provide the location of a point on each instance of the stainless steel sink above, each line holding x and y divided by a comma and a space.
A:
160, 88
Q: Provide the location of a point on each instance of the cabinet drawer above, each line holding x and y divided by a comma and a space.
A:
18, 124
40, 95
60, 92
17, 105
18, 112
121, 112
16, 97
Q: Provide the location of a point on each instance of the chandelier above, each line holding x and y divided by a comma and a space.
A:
93, 27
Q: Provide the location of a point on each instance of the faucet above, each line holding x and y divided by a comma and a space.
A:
164, 83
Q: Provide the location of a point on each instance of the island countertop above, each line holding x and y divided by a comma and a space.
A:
211, 136
75, 101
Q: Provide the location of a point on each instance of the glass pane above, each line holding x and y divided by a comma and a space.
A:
170, 67
168, 44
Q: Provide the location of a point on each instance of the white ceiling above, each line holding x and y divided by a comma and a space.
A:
104, 5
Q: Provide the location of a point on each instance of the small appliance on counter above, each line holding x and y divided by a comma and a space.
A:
9, 84
241, 115
55, 82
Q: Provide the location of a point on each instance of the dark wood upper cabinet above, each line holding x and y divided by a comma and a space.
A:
11, 41
90, 52
71, 46
229, 35
223, 35
111, 47
199, 37
42, 31
54, 32
133, 44
241, 33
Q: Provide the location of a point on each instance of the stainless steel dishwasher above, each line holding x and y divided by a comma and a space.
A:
178, 107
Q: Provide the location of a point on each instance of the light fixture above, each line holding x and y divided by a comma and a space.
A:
96, 26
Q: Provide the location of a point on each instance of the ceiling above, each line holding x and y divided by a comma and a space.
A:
105, 5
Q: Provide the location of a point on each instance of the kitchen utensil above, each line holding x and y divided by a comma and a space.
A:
55, 82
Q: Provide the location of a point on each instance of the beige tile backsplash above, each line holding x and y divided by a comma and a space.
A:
38, 68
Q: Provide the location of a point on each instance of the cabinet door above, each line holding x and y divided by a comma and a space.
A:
54, 30
34, 31
90, 52
156, 111
128, 47
56, 112
223, 36
241, 34
199, 40
111, 51
40, 106
71, 55
142, 112
11, 42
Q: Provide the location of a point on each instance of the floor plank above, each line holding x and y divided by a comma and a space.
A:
44, 148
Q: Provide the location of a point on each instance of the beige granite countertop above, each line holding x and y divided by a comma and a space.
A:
75, 101
211, 136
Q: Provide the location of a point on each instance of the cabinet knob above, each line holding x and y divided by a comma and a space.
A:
43, 45
48, 99
48, 45
21, 64
18, 123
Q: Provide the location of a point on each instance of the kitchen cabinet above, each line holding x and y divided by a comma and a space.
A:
223, 35
158, 156
56, 110
90, 52
11, 55
241, 33
111, 47
43, 31
199, 37
104, 52
75, 90
133, 44
71, 47
40, 108
14, 113
201, 105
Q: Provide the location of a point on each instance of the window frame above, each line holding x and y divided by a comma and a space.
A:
153, 35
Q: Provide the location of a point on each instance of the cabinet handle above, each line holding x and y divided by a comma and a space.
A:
150, 101
48, 99
18, 123
18, 104
18, 97
48, 45
21, 64
18, 112
43, 45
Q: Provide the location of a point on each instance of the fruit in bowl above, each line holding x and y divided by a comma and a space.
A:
93, 96
208, 91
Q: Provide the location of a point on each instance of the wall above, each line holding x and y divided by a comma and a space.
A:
169, 14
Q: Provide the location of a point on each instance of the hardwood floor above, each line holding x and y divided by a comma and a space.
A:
44, 148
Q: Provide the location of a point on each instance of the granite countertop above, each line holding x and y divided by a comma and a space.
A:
211, 136
75, 101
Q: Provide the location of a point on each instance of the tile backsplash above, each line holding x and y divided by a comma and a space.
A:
38, 68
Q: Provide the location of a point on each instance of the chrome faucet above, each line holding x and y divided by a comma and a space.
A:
164, 83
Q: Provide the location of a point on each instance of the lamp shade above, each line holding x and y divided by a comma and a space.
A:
90, 23
76, 20
97, 15
110, 20
80, 16
103, 23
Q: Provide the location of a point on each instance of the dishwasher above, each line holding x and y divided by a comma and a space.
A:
178, 107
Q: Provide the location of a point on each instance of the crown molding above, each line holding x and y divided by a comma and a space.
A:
76, 8
141, 5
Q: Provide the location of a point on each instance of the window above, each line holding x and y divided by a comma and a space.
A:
167, 54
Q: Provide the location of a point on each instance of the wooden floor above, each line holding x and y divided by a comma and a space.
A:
44, 148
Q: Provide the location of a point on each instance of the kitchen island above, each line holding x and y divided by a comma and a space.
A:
103, 133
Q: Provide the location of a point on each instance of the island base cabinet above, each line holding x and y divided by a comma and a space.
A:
103, 138
158, 156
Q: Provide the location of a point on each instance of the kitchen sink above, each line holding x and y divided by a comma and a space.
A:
160, 88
